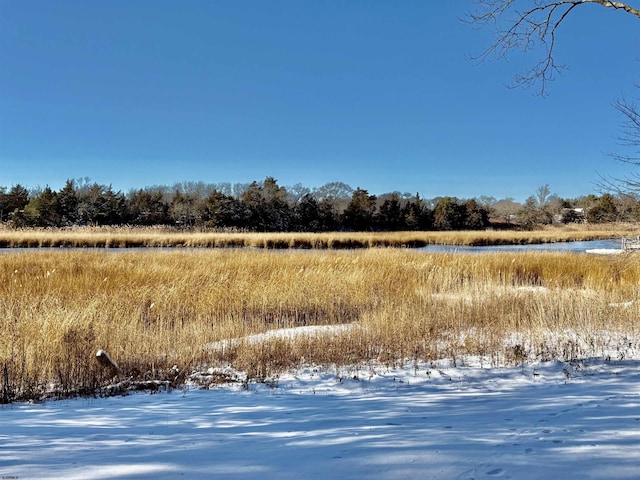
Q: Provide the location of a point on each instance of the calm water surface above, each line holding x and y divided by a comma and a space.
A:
575, 247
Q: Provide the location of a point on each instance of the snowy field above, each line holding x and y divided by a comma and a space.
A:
546, 421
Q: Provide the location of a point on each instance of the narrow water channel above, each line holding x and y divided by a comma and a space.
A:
603, 246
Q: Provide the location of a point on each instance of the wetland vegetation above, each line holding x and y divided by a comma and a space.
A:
128, 237
165, 315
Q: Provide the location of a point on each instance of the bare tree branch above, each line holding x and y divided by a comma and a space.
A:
629, 138
629, 132
530, 28
617, 6
628, 185
528, 25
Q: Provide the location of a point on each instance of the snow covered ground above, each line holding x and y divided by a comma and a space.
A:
545, 421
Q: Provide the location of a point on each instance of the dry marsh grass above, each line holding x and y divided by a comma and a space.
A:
157, 313
123, 237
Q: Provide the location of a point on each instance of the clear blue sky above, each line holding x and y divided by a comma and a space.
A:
377, 94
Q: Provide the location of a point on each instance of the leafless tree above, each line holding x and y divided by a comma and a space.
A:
543, 195
629, 140
532, 25
629, 132
527, 25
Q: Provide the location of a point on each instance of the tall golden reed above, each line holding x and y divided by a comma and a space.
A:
163, 314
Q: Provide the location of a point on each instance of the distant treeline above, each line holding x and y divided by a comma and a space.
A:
267, 207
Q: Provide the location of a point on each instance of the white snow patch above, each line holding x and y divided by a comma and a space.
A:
548, 420
284, 333
605, 251
622, 304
